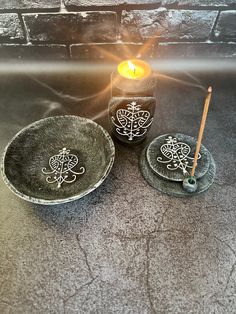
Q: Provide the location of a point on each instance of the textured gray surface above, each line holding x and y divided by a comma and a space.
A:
10, 28
112, 29
27, 159
74, 27
125, 248
175, 188
160, 167
139, 25
225, 28
29, 4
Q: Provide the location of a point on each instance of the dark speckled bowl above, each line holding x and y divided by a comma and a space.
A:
31, 149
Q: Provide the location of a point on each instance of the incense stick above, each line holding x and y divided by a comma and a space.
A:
201, 130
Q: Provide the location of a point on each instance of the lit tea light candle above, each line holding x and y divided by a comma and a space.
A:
134, 69
133, 77
132, 104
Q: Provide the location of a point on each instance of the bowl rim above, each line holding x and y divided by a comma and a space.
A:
42, 201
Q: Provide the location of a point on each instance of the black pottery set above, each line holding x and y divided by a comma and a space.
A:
167, 161
61, 159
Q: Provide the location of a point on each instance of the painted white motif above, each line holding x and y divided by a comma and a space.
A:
132, 122
177, 154
62, 166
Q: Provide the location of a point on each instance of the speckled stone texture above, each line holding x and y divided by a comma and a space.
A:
174, 188
225, 28
29, 4
109, 30
169, 24
30, 152
125, 248
10, 28
73, 27
157, 157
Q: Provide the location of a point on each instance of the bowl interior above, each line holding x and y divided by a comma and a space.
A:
32, 148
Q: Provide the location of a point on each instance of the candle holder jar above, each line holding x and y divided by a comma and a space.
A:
132, 105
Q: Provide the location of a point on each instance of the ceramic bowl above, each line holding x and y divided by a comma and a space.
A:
58, 160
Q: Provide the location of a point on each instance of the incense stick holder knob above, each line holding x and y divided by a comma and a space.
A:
190, 184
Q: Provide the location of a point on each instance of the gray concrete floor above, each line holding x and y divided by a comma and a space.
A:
125, 248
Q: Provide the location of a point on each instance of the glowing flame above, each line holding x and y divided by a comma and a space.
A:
131, 66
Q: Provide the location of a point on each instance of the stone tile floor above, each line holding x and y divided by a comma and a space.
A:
125, 248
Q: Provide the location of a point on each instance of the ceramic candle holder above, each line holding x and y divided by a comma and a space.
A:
132, 104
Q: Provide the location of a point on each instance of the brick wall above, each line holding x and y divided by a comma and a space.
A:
82, 29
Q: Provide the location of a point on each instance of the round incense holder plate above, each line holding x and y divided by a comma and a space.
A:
171, 156
164, 180
58, 160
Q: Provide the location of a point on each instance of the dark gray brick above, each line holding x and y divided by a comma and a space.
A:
29, 52
113, 52
226, 26
73, 27
167, 24
10, 28
196, 50
29, 4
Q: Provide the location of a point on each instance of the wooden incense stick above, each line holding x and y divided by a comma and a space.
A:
201, 130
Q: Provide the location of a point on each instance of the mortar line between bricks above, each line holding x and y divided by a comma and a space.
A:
113, 9
69, 45
152, 6
161, 42
63, 8
118, 7
184, 41
118, 18
104, 8
212, 36
64, 12
30, 11
68, 48
196, 42
196, 8
26, 34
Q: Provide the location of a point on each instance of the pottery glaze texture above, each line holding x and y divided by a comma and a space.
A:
31, 150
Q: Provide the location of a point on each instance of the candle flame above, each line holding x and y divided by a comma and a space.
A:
131, 66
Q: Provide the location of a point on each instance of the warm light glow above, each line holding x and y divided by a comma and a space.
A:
132, 66
134, 69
